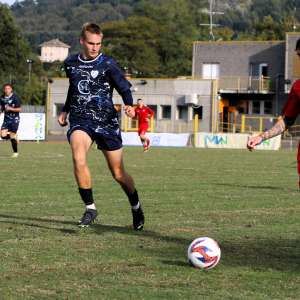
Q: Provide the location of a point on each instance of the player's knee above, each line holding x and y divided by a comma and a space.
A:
118, 175
5, 136
79, 161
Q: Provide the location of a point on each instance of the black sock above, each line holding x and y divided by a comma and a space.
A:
7, 137
86, 196
14, 145
133, 198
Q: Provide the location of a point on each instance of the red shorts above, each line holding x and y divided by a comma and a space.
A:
143, 129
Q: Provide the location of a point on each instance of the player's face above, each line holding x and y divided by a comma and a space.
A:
140, 103
7, 90
91, 45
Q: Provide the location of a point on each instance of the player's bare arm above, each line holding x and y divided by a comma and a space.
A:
12, 109
129, 111
62, 119
277, 129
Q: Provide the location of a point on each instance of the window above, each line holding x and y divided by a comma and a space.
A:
166, 111
268, 107
263, 70
255, 107
182, 112
211, 71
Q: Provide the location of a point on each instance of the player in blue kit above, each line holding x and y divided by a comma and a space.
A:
93, 118
11, 106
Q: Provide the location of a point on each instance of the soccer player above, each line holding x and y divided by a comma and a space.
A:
142, 114
93, 118
11, 106
289, 114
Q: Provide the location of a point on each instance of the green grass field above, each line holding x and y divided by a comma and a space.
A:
248, 202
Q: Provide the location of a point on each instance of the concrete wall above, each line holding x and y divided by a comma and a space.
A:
235, 58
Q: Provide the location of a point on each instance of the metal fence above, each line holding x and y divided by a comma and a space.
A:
33, 109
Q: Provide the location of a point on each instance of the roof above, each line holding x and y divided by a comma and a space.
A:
240, 42
55, 43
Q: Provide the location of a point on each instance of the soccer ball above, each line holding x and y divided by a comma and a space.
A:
204, 253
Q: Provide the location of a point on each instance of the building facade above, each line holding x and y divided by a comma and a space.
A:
175, 103
54, 50
253, 77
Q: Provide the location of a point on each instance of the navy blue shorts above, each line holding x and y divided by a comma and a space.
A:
10, 126
104, 142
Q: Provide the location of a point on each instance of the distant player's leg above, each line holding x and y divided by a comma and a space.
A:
298, 164
144, 139
80, 143
5, 134
115, 163
14, 144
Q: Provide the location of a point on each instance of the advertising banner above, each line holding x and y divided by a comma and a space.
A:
32, 126
233, 141
157, 139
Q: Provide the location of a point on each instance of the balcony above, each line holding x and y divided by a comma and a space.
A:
247, 84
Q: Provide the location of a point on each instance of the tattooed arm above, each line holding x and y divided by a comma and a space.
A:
277, 129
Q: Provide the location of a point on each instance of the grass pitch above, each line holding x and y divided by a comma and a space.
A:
248, 202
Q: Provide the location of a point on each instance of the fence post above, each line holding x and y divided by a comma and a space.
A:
152, 124
243, 123
196, 129
260, 124
125, 123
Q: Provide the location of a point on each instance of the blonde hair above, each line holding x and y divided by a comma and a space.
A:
92, 28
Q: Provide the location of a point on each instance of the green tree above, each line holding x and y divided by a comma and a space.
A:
14, 49
14, 56
177, 33
134, 44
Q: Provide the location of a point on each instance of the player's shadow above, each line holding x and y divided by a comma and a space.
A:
258, 254
262, 254
31, 222
256, 187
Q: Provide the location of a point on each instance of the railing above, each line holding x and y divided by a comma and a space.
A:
256, 123
233, 128
293, 131
245, 83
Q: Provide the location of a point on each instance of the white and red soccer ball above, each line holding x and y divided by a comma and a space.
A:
204, 253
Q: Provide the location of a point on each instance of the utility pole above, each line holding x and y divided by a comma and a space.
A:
29, 61
294, 19
211, 24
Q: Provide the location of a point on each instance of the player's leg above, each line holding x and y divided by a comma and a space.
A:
144, 139
80, 143
115, 163
5, 134
14, 143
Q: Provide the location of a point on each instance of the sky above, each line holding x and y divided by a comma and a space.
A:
9, 2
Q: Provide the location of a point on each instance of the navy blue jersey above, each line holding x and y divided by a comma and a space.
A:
89, 101
13, 101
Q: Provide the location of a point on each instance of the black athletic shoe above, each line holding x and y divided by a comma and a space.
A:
138, 218
88, 218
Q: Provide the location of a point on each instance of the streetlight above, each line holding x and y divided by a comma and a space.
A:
29, 61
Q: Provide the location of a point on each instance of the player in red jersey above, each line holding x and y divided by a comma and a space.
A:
142, 113
289, 114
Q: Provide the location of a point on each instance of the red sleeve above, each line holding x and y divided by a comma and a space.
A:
150, 111
292, 107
